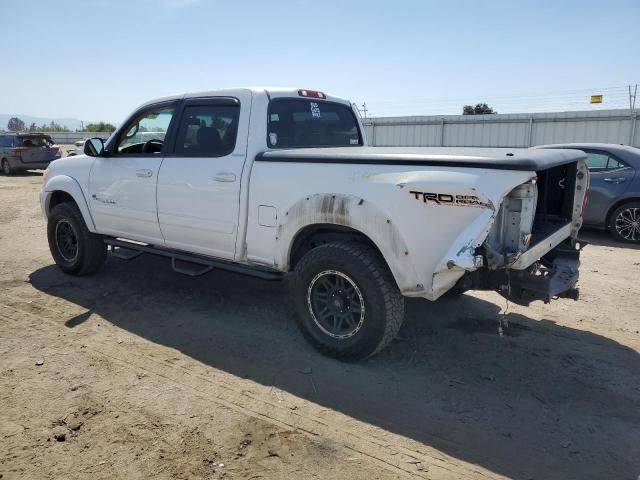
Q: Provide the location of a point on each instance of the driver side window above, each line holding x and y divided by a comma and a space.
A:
145, 134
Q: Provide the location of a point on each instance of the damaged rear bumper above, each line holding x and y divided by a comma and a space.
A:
555, 275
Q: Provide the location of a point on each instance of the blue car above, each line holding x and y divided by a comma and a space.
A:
614, 192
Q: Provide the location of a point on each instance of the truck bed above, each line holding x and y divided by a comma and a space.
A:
525, 159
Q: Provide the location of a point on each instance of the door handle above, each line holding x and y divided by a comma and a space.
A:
225, 177
145, 173
615, 180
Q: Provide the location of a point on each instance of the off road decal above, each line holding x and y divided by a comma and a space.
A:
450, 199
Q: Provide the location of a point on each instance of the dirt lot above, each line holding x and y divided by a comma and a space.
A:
138, 372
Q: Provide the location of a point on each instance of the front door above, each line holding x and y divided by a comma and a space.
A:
199, 182
122, 185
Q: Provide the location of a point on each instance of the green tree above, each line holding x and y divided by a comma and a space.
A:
100, 127
52, 127
33, 127
479, 109
15, 124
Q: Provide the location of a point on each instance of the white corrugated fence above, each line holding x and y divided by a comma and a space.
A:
505, 130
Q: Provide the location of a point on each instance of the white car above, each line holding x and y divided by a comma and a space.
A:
79, 148
279, 183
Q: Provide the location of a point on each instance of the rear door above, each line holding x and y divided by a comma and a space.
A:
199, 182
122, 186
610, 178
36, 149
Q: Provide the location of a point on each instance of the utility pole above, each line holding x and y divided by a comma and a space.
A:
363, 112
632, 114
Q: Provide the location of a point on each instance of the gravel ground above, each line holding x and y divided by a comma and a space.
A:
138, 372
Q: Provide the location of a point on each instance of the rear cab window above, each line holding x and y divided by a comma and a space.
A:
299, 123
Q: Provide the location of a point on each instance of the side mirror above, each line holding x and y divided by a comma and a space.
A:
94, 147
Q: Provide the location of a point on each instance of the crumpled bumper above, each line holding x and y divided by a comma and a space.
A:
554, 278
555, 275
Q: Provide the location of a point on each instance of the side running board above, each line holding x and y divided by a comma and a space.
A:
187, 263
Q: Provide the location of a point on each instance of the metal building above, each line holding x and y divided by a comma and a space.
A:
505, 130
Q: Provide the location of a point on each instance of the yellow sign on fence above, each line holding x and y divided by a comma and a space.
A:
596, 98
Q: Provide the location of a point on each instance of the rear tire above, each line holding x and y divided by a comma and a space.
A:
346, 300
6, 167
74, 248
624, 223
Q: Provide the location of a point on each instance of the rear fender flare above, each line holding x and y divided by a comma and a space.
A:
355, 213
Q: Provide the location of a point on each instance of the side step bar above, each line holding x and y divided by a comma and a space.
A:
187, 263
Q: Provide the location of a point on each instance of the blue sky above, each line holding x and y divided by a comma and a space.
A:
98, 59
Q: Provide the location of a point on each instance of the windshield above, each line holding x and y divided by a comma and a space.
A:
311, 123
34, 141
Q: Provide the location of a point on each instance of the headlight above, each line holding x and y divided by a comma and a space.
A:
45, 176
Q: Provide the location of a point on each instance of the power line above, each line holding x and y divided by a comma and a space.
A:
579, 99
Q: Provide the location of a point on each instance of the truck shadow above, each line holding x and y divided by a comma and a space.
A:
24, 173
605, 239
543, 401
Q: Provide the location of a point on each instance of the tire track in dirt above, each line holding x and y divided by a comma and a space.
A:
295, 414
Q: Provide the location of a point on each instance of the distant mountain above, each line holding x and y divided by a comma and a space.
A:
71, 123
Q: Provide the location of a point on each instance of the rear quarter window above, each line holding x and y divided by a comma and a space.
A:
603, 161
298, 123
6, 141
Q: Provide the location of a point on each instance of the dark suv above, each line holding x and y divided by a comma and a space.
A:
24, 151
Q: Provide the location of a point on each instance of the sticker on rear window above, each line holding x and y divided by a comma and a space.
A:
315, 110
273, 138
275, 117
353, 141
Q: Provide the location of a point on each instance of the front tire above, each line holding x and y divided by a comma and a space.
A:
346, 300
624, 223
74, 248
6, 167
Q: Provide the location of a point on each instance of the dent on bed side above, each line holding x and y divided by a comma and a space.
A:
352, 212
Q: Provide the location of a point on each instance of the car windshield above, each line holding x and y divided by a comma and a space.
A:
34, 141
311, 123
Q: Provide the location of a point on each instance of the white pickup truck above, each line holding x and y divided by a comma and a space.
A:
279, 184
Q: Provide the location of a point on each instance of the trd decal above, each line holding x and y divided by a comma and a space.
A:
450, 199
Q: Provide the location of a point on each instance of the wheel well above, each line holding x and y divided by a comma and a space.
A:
59, 197
616, 205
313, 236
